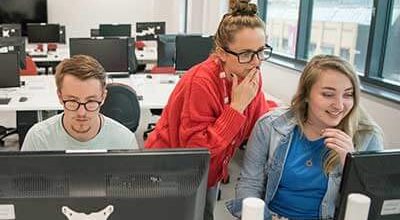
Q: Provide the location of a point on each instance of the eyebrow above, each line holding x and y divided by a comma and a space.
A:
77, 98
249, 50
333, 89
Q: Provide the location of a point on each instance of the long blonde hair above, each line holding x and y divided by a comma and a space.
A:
355, 122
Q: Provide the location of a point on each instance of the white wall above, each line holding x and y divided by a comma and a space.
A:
282, 83
79, 16
204, 16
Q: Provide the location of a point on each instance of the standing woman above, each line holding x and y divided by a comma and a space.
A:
217, 102
294, 158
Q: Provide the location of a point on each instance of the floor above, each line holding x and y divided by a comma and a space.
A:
227, 190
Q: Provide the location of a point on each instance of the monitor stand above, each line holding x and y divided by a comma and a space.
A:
100, 215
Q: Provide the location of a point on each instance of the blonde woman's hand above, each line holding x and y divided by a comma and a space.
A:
338, 141
244, 92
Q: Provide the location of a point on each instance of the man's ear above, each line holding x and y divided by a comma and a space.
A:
105, 91
221, 54
60, 99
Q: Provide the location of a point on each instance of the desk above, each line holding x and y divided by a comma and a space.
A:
41, 92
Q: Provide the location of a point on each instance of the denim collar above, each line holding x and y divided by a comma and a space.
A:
285, 122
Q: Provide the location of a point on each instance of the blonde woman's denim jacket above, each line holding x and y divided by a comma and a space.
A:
265, 158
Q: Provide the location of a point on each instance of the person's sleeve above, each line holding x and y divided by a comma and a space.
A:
375, 142
32, 141
253, 176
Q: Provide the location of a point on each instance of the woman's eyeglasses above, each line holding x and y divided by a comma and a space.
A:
247, 56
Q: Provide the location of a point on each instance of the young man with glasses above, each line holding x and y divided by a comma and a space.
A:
81, 89
217, 102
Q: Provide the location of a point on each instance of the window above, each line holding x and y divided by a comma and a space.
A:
342, 24
364, 32
345, 53
281, 21
311, 49
391, 68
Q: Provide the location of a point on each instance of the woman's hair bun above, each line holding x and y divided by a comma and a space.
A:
242, 7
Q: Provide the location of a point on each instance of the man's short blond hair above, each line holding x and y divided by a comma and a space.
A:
82, 67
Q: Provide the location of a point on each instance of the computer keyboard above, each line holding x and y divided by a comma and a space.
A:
4, 101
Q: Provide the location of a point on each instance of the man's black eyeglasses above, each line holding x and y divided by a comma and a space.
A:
73, 105
247, 56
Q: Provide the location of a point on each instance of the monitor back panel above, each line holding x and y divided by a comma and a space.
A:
117, 30
376, 175
43, 33
191, 50
9, 71
136, 186
112, 53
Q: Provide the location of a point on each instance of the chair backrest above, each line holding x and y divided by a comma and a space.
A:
122, 105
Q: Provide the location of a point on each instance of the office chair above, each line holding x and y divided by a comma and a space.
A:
30, 67
122, 105
151, 126
5, 132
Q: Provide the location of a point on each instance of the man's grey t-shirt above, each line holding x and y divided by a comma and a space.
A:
50, 135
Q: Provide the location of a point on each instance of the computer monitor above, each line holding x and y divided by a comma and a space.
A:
114, 54
149, 30
94, 32
43, 33
15, 44
10, 30
9, 71
166, 50
115, 30
137, 184
191, 50
23, 12
376, 175
63, 34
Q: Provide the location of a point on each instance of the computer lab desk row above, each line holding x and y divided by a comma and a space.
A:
40, 95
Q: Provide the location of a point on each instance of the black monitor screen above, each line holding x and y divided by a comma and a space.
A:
94, 32
166, 50
112, 53
15, 44
10, 30
115, 30
9, 71
376, 175
117, 185
149, 30
191, 50
43, 33
23, 12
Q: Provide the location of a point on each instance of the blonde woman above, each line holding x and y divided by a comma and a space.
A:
295, 157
